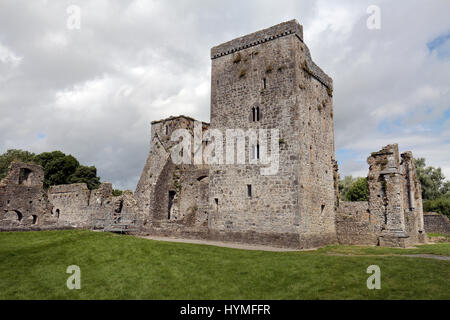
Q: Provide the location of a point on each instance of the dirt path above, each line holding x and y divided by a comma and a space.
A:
244, 246
223, 244
424, 256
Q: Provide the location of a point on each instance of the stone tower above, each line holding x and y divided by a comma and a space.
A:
267, 80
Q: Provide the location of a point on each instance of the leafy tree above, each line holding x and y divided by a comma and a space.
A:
441, 205
87, 175
345, 185
432, 180
13, 155
59, 168
359, 191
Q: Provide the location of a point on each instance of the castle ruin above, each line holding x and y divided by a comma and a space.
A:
263, 81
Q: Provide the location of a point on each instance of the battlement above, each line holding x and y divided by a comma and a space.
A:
253, 39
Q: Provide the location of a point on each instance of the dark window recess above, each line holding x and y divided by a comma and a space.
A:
322, 208
57, 213
171, 198
253, 114
24, 175
265, 83
167, 130
257, 114
35, 218
249, 190
216, 202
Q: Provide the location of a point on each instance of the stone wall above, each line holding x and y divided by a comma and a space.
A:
173, 198
436, 223
24, 204
353, 225
268, 70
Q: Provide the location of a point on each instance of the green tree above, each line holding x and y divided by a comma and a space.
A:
440, 205
432, 180
59, 168
359, 191
88, 175
345, 185
13, 155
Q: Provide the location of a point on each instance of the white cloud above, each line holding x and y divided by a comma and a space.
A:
93, 92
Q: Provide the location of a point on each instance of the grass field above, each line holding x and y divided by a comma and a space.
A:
33, 266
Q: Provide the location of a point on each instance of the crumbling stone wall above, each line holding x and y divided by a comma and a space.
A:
25, 205
436, 223
23, 202
395, 199
173, 199
76, 206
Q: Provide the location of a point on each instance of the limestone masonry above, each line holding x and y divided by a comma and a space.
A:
265, 80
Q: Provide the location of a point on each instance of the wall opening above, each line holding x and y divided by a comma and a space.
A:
167, 130
170, 205
322, 208
57, 213
257, 114
35, 219
265, 83
24, 175
255, 152
253, 114
19, 215
249, 190
216, 203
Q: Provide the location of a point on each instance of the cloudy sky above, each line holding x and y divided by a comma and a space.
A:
92, 92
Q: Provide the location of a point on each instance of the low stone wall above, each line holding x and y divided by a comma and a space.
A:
353, 226
436, 223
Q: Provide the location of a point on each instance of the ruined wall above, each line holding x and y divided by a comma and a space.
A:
173, 197
395, 199
23, 202
272, 70
436, 223
25, 205
353, 225
76, 206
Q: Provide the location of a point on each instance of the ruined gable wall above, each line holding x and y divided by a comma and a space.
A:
23, 201
76, 206
162, 179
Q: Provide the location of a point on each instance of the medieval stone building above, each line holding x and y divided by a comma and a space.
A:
260, 83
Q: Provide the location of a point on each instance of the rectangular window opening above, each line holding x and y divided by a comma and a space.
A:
249, 190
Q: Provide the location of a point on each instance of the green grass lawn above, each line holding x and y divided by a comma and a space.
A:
33, 266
